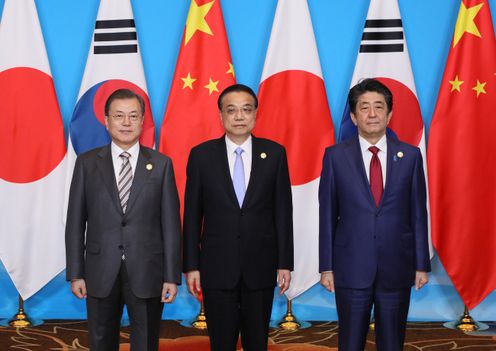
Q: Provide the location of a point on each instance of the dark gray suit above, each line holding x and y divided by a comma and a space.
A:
98, 233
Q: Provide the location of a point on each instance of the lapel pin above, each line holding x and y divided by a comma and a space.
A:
149, 166
263, 155
400, 154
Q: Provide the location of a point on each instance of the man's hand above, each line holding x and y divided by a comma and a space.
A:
193, 283
78, 288
283, 280
421, 278
169, 292
327, 280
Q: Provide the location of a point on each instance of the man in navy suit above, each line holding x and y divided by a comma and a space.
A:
373, 224
238, 225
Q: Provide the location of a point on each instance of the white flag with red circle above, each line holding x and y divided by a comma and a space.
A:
294, 111
32, 154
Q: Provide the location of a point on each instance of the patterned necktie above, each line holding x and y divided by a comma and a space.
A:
239, 176
375, 175
125, 180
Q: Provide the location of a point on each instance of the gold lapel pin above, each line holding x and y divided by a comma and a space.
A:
149, 166
400, 154
263, 155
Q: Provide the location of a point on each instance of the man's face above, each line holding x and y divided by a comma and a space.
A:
124, 122
238, 115
371, 116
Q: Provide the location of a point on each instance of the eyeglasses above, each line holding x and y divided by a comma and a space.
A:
133, 117
245, 110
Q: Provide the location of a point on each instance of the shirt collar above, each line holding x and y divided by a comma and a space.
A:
116, 150
231, 146
381, 144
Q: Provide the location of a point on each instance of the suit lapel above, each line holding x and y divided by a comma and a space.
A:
141, 174
106, 167
355, 160
255, 168
221, 151
392, 149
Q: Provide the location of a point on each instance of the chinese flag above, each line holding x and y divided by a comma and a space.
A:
461, 157
204, 68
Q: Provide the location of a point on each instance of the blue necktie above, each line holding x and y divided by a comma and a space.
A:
239, 176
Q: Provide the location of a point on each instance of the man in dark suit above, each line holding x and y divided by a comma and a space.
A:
123, 231
373, 224
238, 231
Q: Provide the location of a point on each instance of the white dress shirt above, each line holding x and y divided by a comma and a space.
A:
367, 156
117, 161
246, 155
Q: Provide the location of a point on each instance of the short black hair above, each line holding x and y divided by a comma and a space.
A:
237, 88
124, 94
369, 85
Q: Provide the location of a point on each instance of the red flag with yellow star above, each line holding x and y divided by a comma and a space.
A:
461, 157
204, 68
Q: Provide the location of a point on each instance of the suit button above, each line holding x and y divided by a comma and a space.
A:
242, 213
123, 223
121, 247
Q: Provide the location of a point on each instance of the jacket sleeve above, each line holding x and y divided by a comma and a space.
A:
284, 215
171, 227
193, 215
76, 225
328, 212
419, 216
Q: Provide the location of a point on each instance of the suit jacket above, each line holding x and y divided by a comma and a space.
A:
227, 242
361, 242
148, 233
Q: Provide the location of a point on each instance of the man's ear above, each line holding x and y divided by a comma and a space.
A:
390, 115
353, 118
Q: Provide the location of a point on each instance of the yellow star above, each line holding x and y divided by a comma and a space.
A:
231, 69
196, 20
455, 84
479, 88
188, 81
465, 22
211, 86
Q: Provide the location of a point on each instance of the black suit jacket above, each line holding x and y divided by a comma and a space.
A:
226, 242
149, 233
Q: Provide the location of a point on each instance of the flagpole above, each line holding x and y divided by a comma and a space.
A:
21, 319
201, 320
290, 321
466, 323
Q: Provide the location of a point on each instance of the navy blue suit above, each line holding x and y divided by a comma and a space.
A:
369, 246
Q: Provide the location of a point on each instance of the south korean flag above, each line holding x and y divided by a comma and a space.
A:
114, 62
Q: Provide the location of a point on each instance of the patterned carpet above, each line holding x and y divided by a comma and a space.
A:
72, 335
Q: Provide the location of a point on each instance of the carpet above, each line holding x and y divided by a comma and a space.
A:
72, 335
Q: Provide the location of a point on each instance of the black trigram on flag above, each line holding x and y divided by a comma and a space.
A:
115, 37
384, 35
